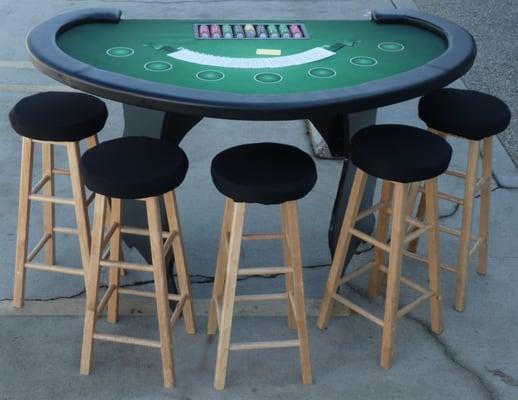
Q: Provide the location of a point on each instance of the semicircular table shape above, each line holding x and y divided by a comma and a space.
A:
335, 76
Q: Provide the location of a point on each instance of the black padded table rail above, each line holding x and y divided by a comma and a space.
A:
450, 65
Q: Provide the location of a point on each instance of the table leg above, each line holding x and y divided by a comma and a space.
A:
140, 121
346, 126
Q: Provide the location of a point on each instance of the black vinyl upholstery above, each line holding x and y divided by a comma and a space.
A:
467, 113
134, 167
400, 153
265, 173
58, 116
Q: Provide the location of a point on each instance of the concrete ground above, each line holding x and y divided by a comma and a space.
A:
493, 24
475, 358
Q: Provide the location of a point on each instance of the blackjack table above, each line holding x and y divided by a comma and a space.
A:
170, 74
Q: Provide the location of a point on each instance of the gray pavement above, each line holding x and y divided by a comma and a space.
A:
493, 24
475, 358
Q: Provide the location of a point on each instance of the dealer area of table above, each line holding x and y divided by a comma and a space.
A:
336, 74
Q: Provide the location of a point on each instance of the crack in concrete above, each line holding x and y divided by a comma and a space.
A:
450, 355
448, 352
506, 378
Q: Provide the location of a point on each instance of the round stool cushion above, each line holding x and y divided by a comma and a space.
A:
134, 167
400, 153
467, 113
58, 116
264, 173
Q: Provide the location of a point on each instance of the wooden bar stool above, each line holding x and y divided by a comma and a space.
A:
401, 156
476, 117
264, 173
136, 168
53, 119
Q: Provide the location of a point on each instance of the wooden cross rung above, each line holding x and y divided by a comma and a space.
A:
477, 244
274, 344
55, 268
66, 230
410, 220
60, 171
356, 273
457, 174
142, 293
51, 199
264, 271
262, 297
263, 236
451, 198
449, 268
109, 233
416, 233
130, 230
127, 340
291, 303
36, 188
105, 299
177, 311
415, 256
357, 309
409, 307
126, 265
408, 282
371, 210
369, 239
34, 252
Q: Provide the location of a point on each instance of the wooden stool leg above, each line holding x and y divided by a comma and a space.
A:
344, 239
219, 277
22, 231
78, 190
485, 198
381, 235
421, 212
394, 274
161, 291
227, 308
115, 255
288, 262
291, 213
92, 286
47, 161
434, 265
467, 219
181, 265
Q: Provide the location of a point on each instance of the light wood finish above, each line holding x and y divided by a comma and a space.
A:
401, 196
342, 246
394, 275
224, 291
288, 278
485, 200
184, 282
115, 255
434, 271
227, 307
23, 221
112, 238
78, 190
47, 161
469, 243
219, 276
291, 211
163, 311
467, 220
381, 236
92, 286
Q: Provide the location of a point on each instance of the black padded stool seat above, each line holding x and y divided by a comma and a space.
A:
400, 153
134, 167
265, 173
466, 113
58, 116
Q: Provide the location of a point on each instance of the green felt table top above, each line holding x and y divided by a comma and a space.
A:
139, 48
